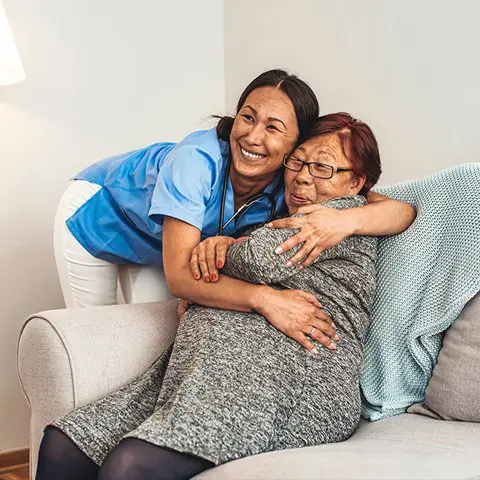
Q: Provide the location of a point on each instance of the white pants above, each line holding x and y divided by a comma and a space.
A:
88, 281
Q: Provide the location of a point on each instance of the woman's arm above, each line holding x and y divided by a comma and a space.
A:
179, 240
382, 216
322, 228
255, 259
301, 309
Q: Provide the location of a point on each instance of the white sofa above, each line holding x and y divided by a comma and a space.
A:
67, 358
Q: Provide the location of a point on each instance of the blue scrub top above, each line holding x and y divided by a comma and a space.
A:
122, 222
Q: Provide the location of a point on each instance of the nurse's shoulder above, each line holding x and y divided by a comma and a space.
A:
188, 177
200, 149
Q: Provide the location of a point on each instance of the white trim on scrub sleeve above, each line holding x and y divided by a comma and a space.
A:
87, 281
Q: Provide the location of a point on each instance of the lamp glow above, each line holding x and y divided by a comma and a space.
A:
11, 69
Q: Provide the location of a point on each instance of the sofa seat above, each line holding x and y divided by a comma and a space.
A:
403, 447
67, 358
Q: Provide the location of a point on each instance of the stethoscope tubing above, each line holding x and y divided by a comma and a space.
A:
255, 199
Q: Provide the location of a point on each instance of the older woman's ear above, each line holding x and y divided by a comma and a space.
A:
357, 183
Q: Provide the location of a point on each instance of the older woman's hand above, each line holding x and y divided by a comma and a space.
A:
320, 228
298, 314
209, 256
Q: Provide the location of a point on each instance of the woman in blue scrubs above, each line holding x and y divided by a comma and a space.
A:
147, 210
109, 223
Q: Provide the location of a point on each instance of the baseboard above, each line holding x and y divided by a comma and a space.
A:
11, 458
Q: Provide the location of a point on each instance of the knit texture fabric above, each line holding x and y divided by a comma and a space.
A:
425, 276
235, 385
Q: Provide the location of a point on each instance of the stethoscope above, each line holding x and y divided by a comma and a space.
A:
251, 201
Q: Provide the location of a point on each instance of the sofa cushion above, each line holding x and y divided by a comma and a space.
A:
453, 392
401, 447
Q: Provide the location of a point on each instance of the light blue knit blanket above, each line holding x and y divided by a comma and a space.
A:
425, 276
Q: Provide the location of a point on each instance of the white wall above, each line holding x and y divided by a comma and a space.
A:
409, 68
102, 77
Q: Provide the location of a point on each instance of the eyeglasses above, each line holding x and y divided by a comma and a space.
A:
318, 170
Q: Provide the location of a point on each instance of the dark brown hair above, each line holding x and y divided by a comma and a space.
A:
305, 103
358, 142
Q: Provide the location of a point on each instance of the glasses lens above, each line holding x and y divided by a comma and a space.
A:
293, 163
321, 171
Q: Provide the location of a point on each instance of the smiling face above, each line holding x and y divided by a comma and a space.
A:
264, 130
301, 188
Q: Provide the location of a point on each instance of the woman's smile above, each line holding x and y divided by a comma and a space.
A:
251, 155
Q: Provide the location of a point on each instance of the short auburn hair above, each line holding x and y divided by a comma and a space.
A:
358, 143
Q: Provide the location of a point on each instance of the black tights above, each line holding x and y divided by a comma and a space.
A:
133, 459
59, 458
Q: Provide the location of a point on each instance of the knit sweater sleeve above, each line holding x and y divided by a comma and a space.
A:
255, 260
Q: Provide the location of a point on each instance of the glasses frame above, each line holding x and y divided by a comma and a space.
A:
332, 169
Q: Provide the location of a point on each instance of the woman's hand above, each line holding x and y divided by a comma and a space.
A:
320, 228
209, 256
299, 315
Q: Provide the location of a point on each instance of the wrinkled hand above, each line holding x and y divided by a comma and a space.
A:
294, 313
209, 256
182, 307
320, 228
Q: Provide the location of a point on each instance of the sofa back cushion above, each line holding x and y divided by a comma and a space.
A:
453, 392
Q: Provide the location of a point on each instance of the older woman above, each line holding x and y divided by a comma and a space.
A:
236, 383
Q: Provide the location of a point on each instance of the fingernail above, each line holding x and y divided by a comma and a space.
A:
196, 277
314, 351
333, 325
332, 346
278, 250
219, 264
300, 267
269, 225
214, 277
289, 264
207, 278
336, 338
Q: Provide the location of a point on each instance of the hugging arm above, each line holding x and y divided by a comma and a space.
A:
255, 259
293, 312
319, 229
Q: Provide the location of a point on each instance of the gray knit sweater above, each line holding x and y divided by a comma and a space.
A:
236, 386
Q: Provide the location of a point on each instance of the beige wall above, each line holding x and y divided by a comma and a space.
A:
102, 77
408, 68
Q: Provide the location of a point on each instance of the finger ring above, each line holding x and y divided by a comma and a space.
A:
311, 331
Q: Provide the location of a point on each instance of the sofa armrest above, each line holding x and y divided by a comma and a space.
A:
70, 357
